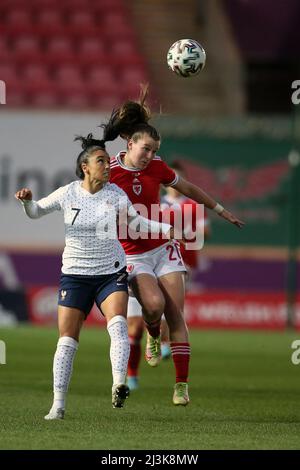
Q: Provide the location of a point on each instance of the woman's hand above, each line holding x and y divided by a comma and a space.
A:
24, 195
171, 235
231, 218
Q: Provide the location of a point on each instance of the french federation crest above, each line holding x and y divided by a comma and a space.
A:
63, 294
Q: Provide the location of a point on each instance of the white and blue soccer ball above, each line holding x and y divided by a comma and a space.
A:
186, 57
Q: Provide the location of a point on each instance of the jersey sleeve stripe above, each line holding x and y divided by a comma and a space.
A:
175, 180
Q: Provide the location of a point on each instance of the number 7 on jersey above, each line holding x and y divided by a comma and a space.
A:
75, 216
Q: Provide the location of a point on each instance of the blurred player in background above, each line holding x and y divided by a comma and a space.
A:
175, 201
172, 201
155, 267
94, 265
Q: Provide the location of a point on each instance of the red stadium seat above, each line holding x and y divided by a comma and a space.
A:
91, 50
9, 75
72, 53
115, 21
69, 80
44, 85
39, 4
50, 22
77, 100
81, 19
125, 52
16, 98
109, 6
123, 47
48, 16
27, 48
36, 79
116, 25
35, 73
19, 21
7, 5
16, 17
5, 50
44, 99
106, 102
74, 5
68, 73
133, 75
60, 50
102, 79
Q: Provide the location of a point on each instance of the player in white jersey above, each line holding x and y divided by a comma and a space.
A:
94, 265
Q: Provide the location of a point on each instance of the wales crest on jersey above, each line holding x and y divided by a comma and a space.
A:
136, 186
137, 189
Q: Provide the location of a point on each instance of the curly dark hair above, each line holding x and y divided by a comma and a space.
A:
89, 145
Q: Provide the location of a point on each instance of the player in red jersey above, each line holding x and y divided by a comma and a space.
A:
172, 202
155, 267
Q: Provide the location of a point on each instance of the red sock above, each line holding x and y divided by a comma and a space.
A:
153, 328
181, 356
134, 357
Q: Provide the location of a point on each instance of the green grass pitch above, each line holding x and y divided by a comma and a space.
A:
244, 394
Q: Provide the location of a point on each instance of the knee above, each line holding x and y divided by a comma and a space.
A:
69, 333
154, 306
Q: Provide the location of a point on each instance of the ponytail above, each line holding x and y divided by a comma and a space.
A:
131, 117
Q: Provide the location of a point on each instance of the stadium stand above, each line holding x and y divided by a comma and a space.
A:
68, 53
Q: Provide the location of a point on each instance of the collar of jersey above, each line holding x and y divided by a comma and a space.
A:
87, 193
119, 160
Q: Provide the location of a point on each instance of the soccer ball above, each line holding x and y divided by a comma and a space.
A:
186, 57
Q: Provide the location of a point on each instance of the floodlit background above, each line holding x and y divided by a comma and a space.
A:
235, 127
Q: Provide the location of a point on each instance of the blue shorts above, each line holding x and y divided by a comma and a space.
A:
81, 292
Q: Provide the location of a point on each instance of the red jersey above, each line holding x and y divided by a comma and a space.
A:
142, 187
180, 205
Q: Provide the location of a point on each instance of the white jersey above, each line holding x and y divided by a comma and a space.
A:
92, 247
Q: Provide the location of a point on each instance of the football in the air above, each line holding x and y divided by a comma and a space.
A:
186, 57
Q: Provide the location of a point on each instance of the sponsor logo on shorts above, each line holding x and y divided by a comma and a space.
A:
121, 279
